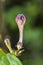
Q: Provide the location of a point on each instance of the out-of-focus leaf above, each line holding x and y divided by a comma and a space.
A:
2, 53
8, 59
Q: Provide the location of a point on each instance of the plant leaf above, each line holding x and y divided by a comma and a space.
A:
10, 59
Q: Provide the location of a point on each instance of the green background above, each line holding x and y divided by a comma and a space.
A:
33, 30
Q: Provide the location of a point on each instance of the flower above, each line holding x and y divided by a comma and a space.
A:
20, 20
20, 17
8, 44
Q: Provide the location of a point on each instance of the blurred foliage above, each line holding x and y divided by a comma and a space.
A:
8, 59
1, 53
10, 16
30, 60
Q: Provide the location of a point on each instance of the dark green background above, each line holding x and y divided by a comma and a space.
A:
33, 30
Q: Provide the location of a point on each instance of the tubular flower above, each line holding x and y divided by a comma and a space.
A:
20, 20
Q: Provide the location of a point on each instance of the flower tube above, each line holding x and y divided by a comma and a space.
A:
20, 20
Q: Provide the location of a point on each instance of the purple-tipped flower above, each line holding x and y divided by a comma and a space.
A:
20, 20
21, 17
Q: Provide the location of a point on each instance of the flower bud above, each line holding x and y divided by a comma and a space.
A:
21, 18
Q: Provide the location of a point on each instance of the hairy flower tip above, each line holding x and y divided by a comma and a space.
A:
21, 17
